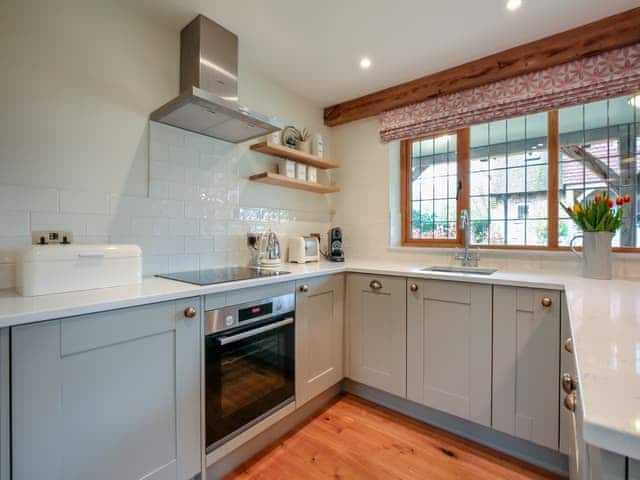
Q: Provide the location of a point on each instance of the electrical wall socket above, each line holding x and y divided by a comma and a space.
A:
51, 237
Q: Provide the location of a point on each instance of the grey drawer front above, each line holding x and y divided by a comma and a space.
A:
87, 332
219, 300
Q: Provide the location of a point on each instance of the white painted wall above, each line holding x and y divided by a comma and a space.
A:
79, 80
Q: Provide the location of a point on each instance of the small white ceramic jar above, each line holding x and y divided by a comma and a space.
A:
301, 171
275, 137
318, 145
287, 168
312, 174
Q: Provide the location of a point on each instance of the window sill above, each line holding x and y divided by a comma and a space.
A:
504, 252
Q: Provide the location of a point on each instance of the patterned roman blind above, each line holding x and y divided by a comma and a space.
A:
606, 75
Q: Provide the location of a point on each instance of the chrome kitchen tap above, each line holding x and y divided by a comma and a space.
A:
468, 257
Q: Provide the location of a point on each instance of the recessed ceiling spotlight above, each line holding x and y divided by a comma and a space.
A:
514, 4
365, 63
635, 101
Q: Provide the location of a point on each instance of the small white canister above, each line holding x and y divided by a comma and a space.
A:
287, 168
318, 145
312, 174
301, 171
275, 137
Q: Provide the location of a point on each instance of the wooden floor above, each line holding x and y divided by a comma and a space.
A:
355, 439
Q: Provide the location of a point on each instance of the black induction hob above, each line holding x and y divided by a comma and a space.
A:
221, 275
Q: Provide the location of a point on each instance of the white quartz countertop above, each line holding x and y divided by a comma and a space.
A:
604, 318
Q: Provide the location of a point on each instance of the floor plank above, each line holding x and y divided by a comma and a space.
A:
355, 439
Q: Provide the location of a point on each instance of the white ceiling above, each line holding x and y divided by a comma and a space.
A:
313, 47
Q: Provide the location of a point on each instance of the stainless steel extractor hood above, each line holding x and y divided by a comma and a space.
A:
208, 102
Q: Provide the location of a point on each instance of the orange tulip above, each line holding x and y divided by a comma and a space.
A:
627, 197
619, 201
597, 197
610, 203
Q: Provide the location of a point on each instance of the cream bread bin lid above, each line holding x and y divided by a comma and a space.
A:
57, 253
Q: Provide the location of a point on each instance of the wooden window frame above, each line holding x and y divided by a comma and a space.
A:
463, 153
462, 161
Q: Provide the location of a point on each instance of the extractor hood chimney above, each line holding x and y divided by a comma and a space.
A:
208, 102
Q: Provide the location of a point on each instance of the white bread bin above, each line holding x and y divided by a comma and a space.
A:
45, 269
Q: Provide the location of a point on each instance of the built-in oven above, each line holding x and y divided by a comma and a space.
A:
249, 357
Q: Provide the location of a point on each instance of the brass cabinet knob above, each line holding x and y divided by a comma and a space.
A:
568, 345
546, 302
304, 288
570, 402
413, 287
375, 285
190, 312
569, 384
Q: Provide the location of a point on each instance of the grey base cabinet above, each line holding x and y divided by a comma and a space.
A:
526, 366
449, 347
377, 331
113, 395
5, 402
319, 335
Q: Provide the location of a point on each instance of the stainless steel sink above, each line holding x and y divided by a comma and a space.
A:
451, 269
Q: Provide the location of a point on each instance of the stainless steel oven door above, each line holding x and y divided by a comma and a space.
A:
249, 374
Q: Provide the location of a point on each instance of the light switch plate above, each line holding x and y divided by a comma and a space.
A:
51, 237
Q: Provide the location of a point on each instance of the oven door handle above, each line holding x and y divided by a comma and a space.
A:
255, 331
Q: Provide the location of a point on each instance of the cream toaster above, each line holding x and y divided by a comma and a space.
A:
304, 249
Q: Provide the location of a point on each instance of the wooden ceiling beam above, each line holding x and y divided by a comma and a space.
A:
608, 33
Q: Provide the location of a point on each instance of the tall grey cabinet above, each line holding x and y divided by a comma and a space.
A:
526, 363
377, 331
449, 347
108, 395
319, 335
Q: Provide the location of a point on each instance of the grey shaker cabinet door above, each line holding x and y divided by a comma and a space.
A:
377, 331
108, 395
526, 364
449, 347
319, 335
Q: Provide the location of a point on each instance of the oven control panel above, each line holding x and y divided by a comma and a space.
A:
238, 315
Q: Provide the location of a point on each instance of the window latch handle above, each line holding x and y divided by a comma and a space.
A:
458, 191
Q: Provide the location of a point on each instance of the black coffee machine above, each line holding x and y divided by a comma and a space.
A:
336, 253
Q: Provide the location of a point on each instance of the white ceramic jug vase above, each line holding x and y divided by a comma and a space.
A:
596, 254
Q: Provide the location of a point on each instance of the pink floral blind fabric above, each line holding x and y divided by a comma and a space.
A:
607, 75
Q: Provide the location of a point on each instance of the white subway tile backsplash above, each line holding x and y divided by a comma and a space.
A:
158, 152
211, 226
155, 264
18, 198
183, 263
199, 143
149, 226
84, 202
191, 219
184, 156
218, 259
159, 170
198, 245
74, 222
166, 245
183, 226
165, 134
13, 224
108, 225
158, 189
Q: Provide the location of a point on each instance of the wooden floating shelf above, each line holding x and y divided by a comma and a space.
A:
285, 152
282, 181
